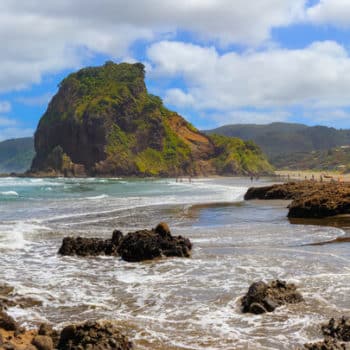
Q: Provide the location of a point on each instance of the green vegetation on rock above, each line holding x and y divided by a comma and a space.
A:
284, 143
237, 155
334, 159
105, 122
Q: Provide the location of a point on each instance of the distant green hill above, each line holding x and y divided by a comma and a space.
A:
16, 155
337, 158
279, 140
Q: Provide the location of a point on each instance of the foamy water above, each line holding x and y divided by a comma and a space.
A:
172, 303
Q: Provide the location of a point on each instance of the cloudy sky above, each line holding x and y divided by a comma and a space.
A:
215, 61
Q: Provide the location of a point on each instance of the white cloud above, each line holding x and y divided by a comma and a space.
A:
335, 12
177, 97
40, 37
316, 76
5, 106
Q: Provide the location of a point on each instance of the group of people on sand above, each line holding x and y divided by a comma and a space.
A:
321, 178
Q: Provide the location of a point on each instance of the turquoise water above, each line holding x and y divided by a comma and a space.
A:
172, 303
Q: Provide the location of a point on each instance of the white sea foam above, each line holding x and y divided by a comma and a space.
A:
176, 303
9, 193
26, 182
101, 196
13, 234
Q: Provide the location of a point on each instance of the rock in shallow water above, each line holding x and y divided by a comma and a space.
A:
327, 344
7, 322
135, 246
337, 329
286, 191
266, 297
310, 199
93, 336
151, 244
89, 246
84, 336
337, 336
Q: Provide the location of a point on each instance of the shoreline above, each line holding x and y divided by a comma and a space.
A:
278, 175
209, 253
301, 175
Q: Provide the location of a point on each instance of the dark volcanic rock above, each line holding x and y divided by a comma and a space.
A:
328, 201
47, 330
163, 229
265, 297
338, 329
336, 332
84, 336
90, 246
7, 322
287, 191
135, 246
327, 344
310, 199
43, 342
150, 244
93, 336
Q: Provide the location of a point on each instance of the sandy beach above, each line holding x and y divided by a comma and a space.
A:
312, 175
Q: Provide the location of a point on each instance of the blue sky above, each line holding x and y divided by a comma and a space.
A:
214, 61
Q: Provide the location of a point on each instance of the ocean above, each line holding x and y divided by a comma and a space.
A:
173, 303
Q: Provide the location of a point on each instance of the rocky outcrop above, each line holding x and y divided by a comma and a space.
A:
151, 244
337, 336
91, 246
134, 246
327, 344
103, 122
7, 322
94, 336
266, 297
9, 298
337, 329
99, 335
88, 335
328, 200
286, 191
43, 342
12, 335
310, 199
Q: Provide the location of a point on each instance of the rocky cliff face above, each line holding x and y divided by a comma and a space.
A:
103, 122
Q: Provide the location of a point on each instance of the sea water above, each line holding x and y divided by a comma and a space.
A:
173, 303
